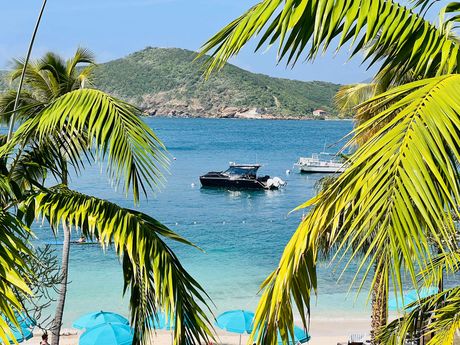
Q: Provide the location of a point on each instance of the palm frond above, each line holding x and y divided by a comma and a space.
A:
84, 78
36, 80
390, 202
13, 236
80, 78
81, 56
109, 125
381, 29
27, 107
436, 318
152, 273
349, 97
446, 263
36, 161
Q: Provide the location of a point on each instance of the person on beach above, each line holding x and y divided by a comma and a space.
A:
44, 339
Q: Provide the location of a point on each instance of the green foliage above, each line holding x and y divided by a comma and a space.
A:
380, 29
437, 318
62, 124
399, 196
132, 149
174, 76
14, 269
152, 272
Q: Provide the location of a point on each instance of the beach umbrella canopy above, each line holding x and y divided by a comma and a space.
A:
159, 322
236, 321
21, 335
300, 336
98, 318
108, 334
410, 296
22, 318
25, 327
25, 321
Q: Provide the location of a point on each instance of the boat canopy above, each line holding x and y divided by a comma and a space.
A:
242, 170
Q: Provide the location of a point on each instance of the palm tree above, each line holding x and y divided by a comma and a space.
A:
435, 319
47, 79
389, 207
65, 126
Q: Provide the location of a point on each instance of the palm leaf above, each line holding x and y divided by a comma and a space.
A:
13, 239
35, 80
436, 318
381, 29
112, 127
152, 273
446, 263
82, 55
27, 106
390, 203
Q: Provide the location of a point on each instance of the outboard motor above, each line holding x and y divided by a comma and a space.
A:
275, 182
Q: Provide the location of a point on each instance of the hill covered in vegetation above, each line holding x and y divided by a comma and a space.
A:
167, 81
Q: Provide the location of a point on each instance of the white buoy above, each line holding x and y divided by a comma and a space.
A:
288, 172
192, 185
194, 222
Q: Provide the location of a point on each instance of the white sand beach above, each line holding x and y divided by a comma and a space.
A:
323, 332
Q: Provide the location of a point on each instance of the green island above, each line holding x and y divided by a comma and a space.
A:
170, 82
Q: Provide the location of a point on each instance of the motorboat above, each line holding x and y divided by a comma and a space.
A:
240, 176
321, 163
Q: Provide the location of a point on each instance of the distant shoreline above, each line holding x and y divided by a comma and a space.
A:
259, 117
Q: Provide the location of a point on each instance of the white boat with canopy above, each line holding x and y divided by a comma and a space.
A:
321, 163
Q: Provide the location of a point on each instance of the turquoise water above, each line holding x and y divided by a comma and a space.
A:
242, 233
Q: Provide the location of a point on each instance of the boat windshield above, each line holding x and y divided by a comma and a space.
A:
241, 171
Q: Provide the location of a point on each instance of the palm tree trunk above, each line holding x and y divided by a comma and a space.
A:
57, 322
379, 306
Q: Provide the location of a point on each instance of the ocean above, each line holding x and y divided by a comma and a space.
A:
242, 233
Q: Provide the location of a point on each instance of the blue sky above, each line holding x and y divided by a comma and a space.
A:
115, 28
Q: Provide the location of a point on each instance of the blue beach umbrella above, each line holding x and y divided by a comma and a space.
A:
24, 332
159, 322
300, 336
108, 334
236, 321
98, 318
20, 335
410, 296
25, 321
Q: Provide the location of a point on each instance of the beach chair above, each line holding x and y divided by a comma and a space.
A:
359, 339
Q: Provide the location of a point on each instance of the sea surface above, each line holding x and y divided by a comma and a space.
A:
242, 233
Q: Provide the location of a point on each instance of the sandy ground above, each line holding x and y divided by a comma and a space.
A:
323, 332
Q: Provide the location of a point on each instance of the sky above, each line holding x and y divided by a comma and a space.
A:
116, 28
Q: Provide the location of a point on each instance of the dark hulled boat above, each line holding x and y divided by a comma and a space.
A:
240, 176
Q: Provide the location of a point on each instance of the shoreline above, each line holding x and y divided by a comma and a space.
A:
323, 332
260, 117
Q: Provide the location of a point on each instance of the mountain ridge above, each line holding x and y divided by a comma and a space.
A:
169, 82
